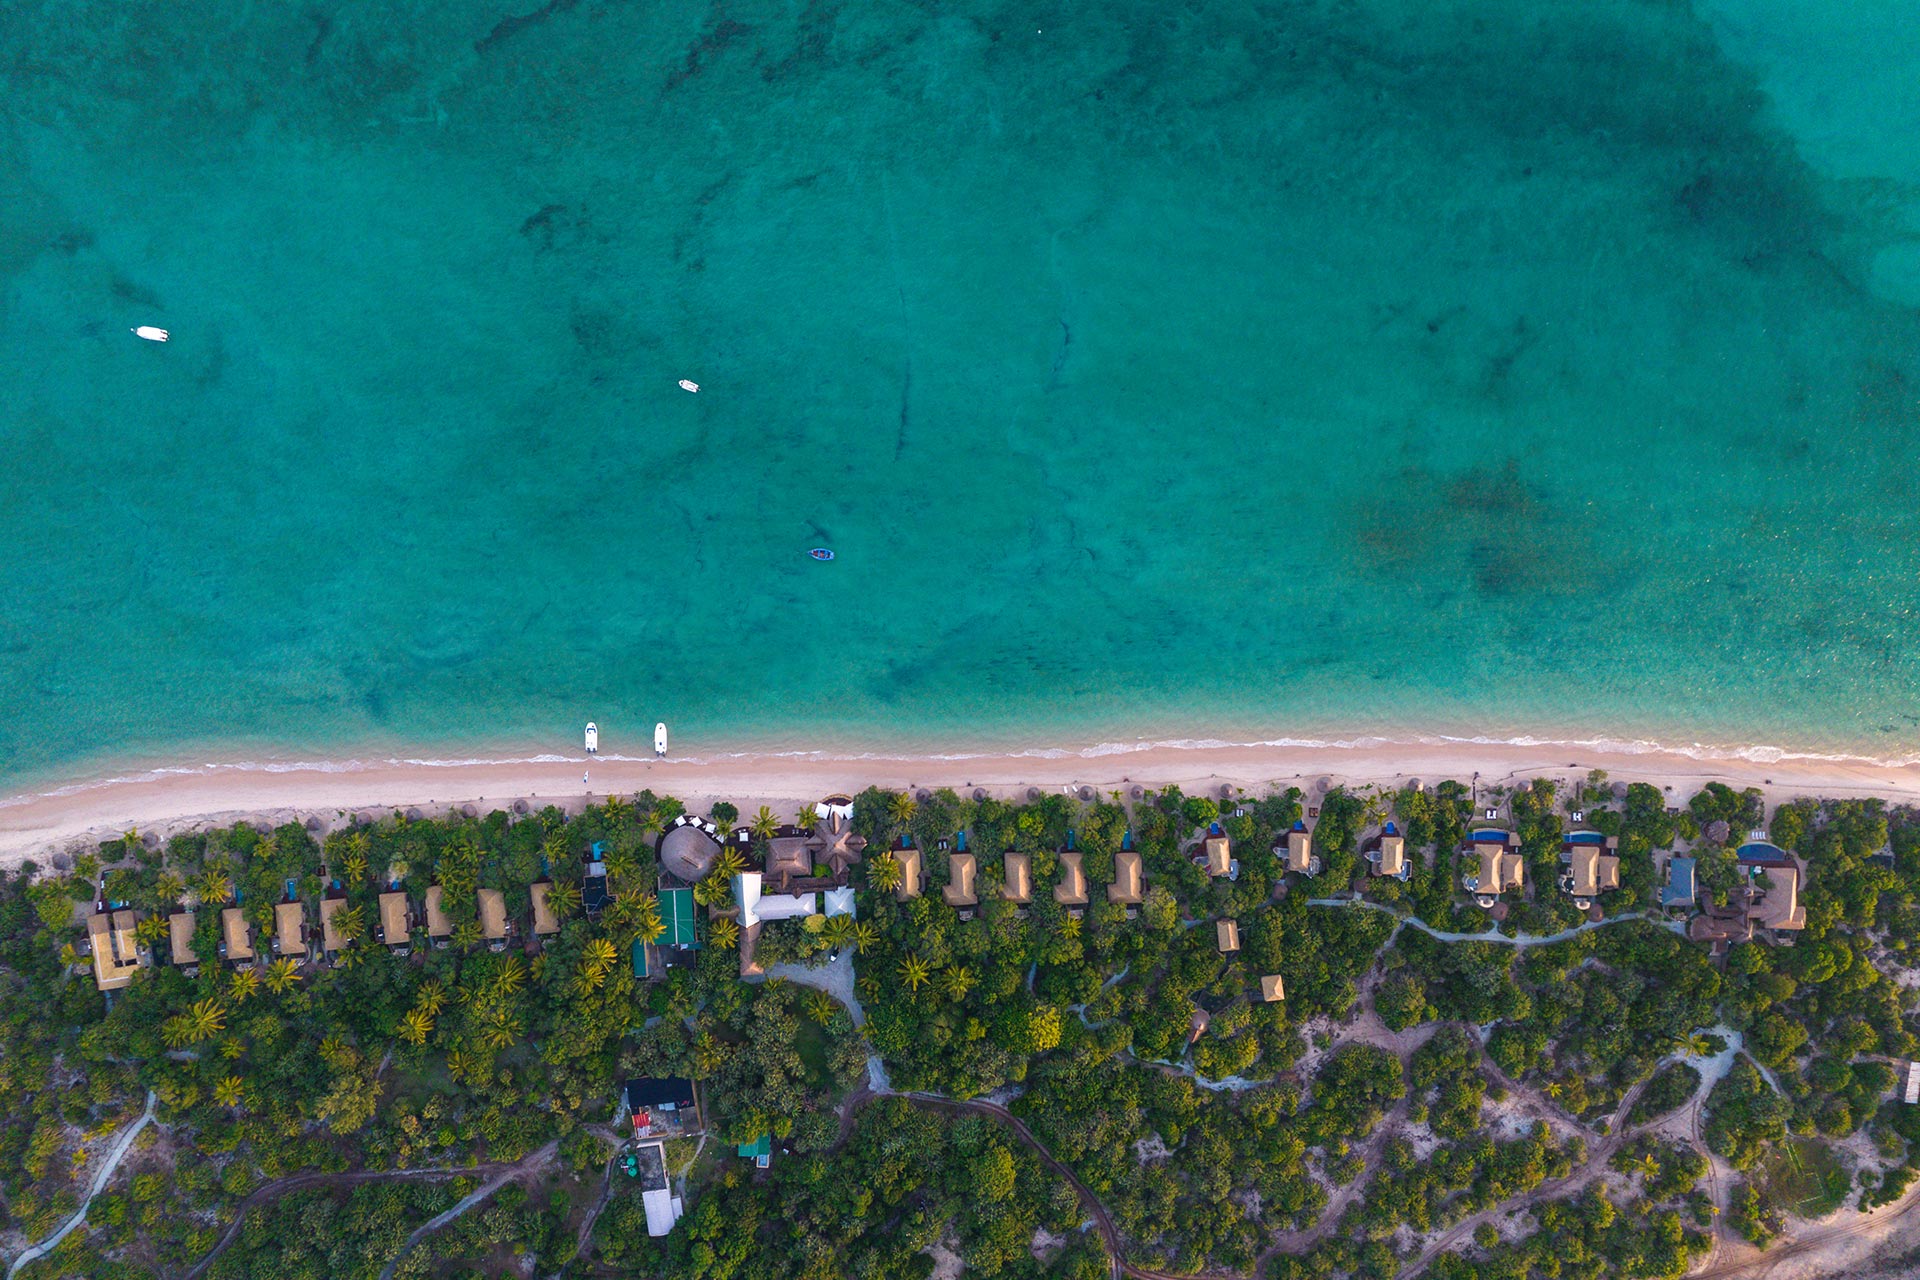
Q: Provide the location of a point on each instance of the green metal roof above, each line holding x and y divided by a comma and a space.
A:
676, 913
763, 1146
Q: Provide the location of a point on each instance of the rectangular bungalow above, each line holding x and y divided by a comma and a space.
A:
1272, 988
236, 937
1389, 855
116, 953
1216, 855
1778, 906
1590, 872
1017, 873
1300, 856
439, 928
331, 941
1127, 878
958, 890
180, 941
494, 926
1226, 936
393, 920
908, 859
289, 929
545, 922
1499, 867
1679, 890
1071, 892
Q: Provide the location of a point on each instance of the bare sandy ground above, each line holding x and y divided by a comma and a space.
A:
163, 799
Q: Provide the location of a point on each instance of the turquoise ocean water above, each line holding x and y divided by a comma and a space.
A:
1216, 370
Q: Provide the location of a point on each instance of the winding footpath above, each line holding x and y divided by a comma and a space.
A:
1489, 935
121, 1146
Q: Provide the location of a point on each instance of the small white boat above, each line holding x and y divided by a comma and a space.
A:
150, 333
688, 384
660, 738
593, 738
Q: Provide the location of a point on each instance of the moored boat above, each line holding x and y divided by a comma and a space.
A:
593, 738
660, 738
150, 333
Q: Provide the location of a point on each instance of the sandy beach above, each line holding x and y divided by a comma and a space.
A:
164, 799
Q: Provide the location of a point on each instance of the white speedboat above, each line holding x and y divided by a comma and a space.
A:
593, 738
660, 738
150, 333
688, 384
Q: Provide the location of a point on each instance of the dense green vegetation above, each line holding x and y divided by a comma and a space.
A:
1489, 1075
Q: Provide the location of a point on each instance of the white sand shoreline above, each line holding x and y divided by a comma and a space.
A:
164, 799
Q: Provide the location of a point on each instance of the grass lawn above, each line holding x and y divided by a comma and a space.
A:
1804, 1176
811, 1044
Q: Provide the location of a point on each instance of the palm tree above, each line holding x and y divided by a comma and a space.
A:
651, 823
820, 1006
350, 923
914, 971
229, 1091
150, 930
431, 997
501, 1032
764, 824
617, 809
462, 1065
466, 935
1069, 926
564, 898
646, 918
205, 1020
215, 887
554, 848
243, 985
900, 807
883, 873
864, 935
510, 976
598, 956
416, 1026
808, 818
354, 866
282, 974
839, 931
958, 982
724, 933
728, 865
168, 886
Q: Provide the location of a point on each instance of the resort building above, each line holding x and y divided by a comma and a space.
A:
909, 859
959, 887
180, 942
1216, 853
393, 920
662, 1207
757, 908
1388, 856
439, 928
1127, 879
1071, 892
236, 937
593, 882
688, 848
545, 922
834, 844
1592, 866
1300, 856
1272, 988
789, 858
290, 929
494, 926
116, 952
1497, 866
332, 941
1773, 886
1017, 872
1679, 889
1226, 936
